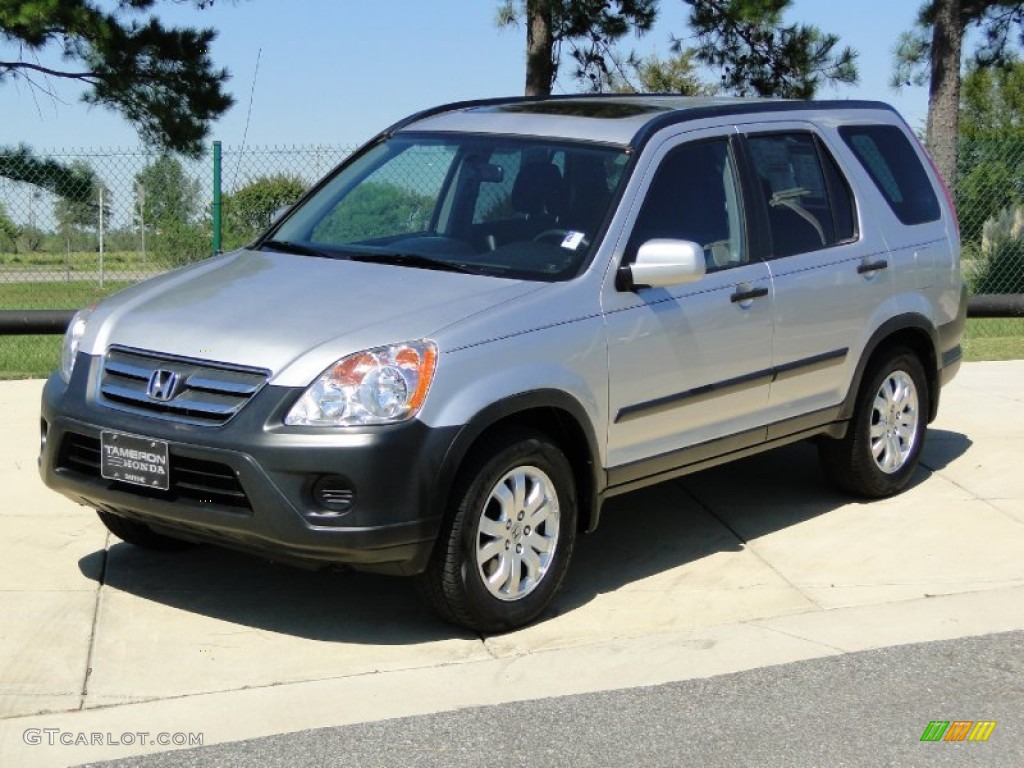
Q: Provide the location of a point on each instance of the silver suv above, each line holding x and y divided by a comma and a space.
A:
496, 315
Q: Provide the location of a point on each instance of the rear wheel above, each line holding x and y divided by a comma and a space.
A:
140, 534
883, 443
505, 547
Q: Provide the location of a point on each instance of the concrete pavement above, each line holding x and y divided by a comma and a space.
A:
869, 708
745, 566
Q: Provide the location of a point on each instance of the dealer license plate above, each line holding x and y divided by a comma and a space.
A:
136, 460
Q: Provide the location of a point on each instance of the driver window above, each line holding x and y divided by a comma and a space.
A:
695, 196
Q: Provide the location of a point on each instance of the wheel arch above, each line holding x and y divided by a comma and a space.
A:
911, 330
557, 415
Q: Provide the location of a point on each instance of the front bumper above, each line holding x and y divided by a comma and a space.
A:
251, 483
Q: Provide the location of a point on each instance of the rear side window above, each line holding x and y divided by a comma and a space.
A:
809, 202
891, 162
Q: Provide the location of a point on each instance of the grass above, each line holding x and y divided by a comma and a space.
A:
75, 261
994, 339
56, 295
34, 357
28, 357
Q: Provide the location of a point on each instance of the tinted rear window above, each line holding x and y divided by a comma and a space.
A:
891, 162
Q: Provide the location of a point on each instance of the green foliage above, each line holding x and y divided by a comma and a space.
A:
161, 79
760, 55
73, 182
165, 194
1002, 254
1003, 271
992, 100
999, 22
375, 209
9, 231
990, 160
911, 58
677, 74
989, 179
178, 243
248, 211
585, 30
167, 205
31, 238
82, 210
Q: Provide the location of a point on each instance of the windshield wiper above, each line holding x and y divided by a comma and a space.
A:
413, 260
287, 246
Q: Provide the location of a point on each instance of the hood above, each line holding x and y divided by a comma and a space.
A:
268, 310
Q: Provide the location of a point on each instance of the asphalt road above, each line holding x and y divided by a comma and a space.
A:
861, 709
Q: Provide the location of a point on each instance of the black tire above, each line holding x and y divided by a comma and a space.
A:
140, 534
454, 584
851, 463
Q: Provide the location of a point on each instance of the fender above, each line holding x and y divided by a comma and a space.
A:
591, 477
907, 322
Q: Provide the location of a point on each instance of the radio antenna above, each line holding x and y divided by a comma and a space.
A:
248, 114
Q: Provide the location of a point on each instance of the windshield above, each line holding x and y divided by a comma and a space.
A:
498, 206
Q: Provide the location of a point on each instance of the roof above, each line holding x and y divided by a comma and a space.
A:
613, 119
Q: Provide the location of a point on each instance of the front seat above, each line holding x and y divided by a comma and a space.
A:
538, 193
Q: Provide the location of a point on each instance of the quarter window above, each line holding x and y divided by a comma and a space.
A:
893, 165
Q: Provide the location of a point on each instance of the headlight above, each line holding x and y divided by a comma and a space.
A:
376, 386
72, 337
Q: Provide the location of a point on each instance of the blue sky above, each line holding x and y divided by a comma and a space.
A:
337, 71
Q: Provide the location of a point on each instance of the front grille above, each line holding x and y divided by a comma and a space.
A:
191, 479
207, 394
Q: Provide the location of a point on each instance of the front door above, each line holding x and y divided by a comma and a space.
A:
689, 364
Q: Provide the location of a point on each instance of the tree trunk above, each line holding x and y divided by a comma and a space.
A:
944, 89
540, 64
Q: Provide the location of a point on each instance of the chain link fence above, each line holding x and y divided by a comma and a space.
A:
119, 216
989, 196
77, 225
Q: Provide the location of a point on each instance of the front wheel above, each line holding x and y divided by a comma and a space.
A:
883, 442
505, 547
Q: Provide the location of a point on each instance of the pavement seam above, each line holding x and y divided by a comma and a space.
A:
487, 647
95, 622
757, 623
746, 544
280, 683
972, 494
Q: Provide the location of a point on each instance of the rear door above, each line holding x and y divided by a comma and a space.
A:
829, 265
912, 218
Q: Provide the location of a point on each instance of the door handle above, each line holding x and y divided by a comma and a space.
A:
753, 293
872, 266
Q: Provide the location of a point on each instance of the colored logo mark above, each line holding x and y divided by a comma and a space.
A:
958, 730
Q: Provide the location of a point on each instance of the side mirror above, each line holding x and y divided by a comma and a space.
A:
661, 263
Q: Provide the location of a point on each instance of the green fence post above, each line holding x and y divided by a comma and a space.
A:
216, 198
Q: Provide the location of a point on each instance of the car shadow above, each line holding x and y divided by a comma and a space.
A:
642, 534
943, 447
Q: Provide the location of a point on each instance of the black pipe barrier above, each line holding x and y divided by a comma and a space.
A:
18, 322
996, 305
